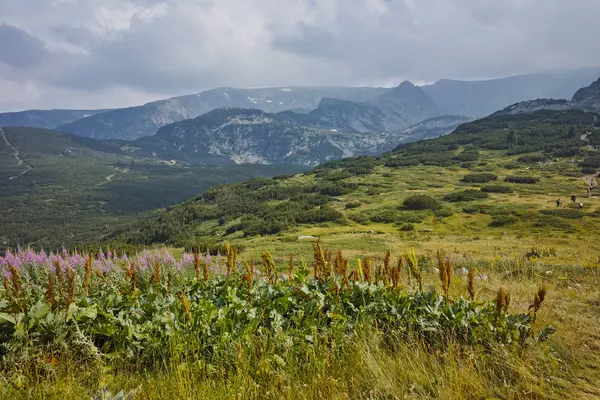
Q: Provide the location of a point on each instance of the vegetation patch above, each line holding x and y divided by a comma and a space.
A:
564, 213
521, 179
420, 202
479, 177
496, 189
466, 195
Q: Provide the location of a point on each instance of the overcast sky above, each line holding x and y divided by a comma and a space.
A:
109, 53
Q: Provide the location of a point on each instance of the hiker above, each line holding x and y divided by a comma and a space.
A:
581, 205
573, 198
557, 202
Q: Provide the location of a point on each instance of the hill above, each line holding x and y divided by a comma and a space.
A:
57, 188
492, 178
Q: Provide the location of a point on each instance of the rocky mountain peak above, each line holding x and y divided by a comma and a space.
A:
591, 92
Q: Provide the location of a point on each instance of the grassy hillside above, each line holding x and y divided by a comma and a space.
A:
59, 189
474, 183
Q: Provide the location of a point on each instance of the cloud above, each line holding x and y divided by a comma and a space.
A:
19, 49
81, 52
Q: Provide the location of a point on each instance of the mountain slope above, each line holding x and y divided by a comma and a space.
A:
358, 195
226, 136
44, 118
58, 188
405, 105
481, 98
145, 120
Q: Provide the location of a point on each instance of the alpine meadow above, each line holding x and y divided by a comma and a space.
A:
353, 235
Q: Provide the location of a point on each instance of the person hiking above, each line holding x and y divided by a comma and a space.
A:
557, 202
573, 198
581, 205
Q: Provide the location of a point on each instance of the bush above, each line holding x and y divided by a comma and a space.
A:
522, 179
564, 213
420, 202
443, 212
501, 220
479, 177
407, 227
467, 155
532, 158
588, 170
466, 195
352, 204
567, 152
496, 189
591, 162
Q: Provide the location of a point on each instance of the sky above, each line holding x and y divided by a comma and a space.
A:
114, 53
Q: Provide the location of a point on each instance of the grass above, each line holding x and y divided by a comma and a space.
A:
375, 365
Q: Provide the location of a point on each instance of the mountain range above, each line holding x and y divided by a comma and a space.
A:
379, 109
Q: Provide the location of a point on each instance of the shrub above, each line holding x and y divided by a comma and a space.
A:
564, 213
522, 179
511, 165
420, 202
566, 152
467, 155
496, 189
501, 220
352, 204
479, 177
407, 227
588, 170
532, 158
443, 212
466, 195
591, 162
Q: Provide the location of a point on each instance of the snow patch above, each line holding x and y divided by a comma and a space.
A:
285, 89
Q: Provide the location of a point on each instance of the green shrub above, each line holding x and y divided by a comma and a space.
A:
466, 195
588, 170
443, 212
479, 177
591, 162
511, 165
564, 213
387, 216
407, 227
522, 179
467, 155
420, 202
496, 189
532, 158
501, 220
551, 221
566, 152
352, 204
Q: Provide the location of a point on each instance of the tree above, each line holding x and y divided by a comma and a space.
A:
572, 132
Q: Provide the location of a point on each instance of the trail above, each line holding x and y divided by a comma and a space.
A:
16, 155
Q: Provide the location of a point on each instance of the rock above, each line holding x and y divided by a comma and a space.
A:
306, 237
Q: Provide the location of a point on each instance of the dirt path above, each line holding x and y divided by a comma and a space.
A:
16, 155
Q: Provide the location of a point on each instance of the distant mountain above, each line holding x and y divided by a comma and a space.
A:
481, 98
432, 128
44, 118
233, 135
586, 98
405, 105
134, 122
